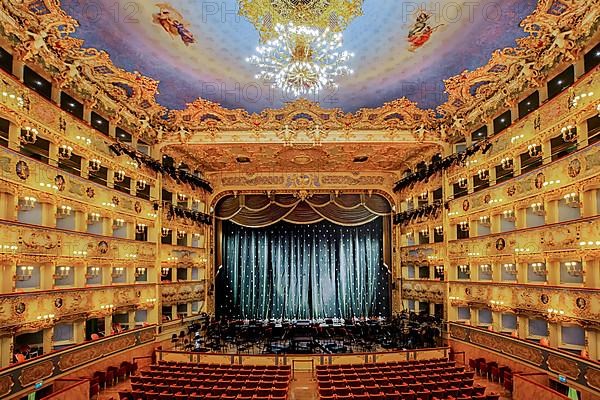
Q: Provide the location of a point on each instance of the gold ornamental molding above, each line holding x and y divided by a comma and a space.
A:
334, 15
557, 31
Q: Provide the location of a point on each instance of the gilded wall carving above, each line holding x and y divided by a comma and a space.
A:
510, 347
182, 292
423, 290
36, 373
563, 366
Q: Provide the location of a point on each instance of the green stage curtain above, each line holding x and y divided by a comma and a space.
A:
306, 271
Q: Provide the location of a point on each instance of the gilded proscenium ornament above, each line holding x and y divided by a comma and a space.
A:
322, 14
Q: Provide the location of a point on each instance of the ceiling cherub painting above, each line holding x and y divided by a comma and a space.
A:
173, 23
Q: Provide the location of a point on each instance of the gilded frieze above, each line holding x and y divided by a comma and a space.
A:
36, 372
6, 384
182, 292
563, 366
423, 290
510, 347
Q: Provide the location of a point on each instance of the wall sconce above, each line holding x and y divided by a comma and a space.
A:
141, 228
140, 271
538, 209
522, 250
539, 268
409, 235
28, 135
165, 271
107, 307
509, 215
61, 273
119, 176
63, 211
92, 272
79, 253
27, 203
484, 174
516, 138
510, 268
589, 243
172, 259
150, 302
572, 200
569, 133
464, 226
474, 254
84, 140
118, 222
45, 318
439, 230
131, 256
484, 220
462, 183
9, 248
534, 150
574, 268
181, 197
556, 315
582, 97
424, 232
439, 269
164, 232
133, 164
465, 269
93, 218
486, 268
507, 164
141, 184
181, 234
110, 205
94, 165
24, 273
65, 151
117, 272
423, 196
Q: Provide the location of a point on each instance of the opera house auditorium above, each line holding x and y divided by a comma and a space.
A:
300, 200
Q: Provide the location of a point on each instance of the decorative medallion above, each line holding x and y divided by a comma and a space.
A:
6, 384
89, 191
60, 182
58, 302
540, 178
20, 308
115, 200
574, 167
22, 170
137, 207
103, 247
468, 291
500, 244
511, 190
581, 303
544, 298
466, 205
563, 366
487, 198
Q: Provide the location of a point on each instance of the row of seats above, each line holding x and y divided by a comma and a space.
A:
434, 379
111, 376
169, 380
493, 371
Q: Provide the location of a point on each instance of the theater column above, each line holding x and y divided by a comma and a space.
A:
47, 335
6, 350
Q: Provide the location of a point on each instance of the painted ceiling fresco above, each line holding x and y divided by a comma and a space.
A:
198, 48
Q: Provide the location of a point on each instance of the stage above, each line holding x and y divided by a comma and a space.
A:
321, 336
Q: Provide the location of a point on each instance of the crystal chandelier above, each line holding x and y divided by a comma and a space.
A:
302, 60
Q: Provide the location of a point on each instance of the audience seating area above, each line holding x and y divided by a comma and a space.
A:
111, 376
173, 381
434, 379
493, 372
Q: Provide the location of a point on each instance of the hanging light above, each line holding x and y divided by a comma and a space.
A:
165, 271
181, 234
424, 232
484, 220
119, 176
141, 184
572, 200
439, 230
484, 174
28, 135
510, 268
462, 183
92, 272
27, 203
464, 226
117, 272
93, 217
569, 133
574, 268
61, 273
65, 152
423, 196
140, 271
507, 164
509, 215
63, 211
534, 150
24, 273
486, 268
95, 165
538, 208
164, 232
302, 60
140, 228
181, 197
539, 268
118, 222
465, 269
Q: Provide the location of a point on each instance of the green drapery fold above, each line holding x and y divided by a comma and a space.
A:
306, 271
